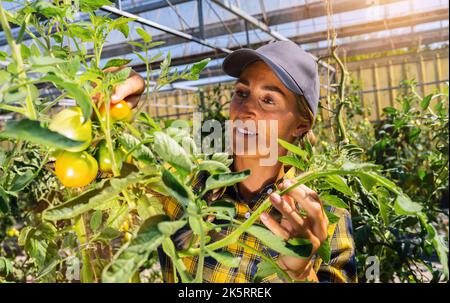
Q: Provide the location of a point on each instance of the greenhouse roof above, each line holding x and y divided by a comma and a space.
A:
213, 28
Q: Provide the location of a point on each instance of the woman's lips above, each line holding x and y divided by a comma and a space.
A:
244, 132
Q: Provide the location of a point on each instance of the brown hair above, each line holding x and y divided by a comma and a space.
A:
307, 116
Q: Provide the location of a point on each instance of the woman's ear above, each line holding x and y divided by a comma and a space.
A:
300, 130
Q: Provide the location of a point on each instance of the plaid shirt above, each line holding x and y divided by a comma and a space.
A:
341, 268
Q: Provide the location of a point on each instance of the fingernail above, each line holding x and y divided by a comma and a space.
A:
263, 216
115, 97
275, 197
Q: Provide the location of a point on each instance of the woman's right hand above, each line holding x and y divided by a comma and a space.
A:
130, 90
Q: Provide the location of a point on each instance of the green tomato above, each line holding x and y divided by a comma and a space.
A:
71, 123
104, 158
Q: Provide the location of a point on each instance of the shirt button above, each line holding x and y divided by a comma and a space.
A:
247, 215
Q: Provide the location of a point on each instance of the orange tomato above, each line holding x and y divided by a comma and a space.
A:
119, 111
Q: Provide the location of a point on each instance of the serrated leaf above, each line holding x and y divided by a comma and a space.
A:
426, 101
96, 219
116, 63
32, 131
293, 148
90, 199
176, 189
288, 160
332, 218
144, 35
141, 153
75, 91
324, 251
168, 228
21, 181
338, 183
213, 167
170, 151
225, 258
225, 179
333, 200
132, 256
404, 206
303, 249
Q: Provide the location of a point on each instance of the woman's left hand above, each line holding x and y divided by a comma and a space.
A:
313, 226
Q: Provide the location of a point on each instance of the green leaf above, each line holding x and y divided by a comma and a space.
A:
213, 167
333, 200
92, 5
144, 35
96, 219
169, 249
289, 160
91, 199
332, 218
116, 63
293, 148
21, 181
75, 91
141, 153
225, 179
32, 131
225, 258
119, 76
170, 151
223, 158
195, 225
404, 206
4, 201
338, 183
176, 189
168, 228
324, 251
266, 269
132, 256
223, 206
300, 249
426, 101
45, 61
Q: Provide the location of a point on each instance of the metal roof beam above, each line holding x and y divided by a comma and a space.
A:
346, 31
249, 18
163, 28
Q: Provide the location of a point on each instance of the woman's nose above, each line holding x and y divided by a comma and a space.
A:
248, 109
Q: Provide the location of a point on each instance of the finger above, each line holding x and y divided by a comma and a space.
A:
307, 198
310, 202
274, 226
133, 100
134, 85
288, 212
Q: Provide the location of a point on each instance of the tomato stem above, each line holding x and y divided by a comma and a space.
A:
17, 56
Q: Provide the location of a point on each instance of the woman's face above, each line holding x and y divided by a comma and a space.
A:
259, 97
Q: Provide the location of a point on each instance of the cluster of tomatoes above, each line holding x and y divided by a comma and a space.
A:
75, 167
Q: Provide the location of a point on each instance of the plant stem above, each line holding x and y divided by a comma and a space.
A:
17, 56
87, 271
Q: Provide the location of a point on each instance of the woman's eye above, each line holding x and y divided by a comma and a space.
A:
268, 100
241, 94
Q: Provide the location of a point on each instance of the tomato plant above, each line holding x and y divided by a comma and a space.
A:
107, 227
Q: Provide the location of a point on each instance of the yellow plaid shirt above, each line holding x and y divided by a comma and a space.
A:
341, 268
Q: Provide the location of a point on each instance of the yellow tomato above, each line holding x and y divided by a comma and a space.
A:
76, 169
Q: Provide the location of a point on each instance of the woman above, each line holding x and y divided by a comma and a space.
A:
279, 82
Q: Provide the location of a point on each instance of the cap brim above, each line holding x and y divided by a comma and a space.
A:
235, 63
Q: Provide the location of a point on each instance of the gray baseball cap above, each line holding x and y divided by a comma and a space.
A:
295, 68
